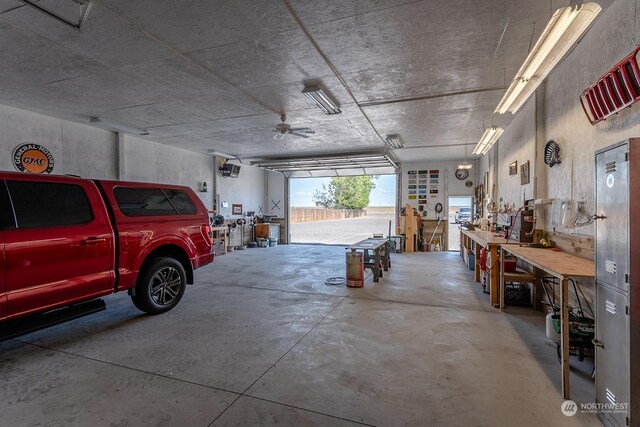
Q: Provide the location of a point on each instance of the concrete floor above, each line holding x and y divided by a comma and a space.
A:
261, 340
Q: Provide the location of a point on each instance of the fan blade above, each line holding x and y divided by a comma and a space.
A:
301, 135
303, 130
279, 136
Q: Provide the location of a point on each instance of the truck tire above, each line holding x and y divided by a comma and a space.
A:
160, 286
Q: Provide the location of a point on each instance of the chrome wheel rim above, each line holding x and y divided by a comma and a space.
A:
165, 286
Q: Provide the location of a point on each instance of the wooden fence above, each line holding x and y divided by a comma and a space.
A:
322, 214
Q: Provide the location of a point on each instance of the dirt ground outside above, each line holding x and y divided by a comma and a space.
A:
342, 231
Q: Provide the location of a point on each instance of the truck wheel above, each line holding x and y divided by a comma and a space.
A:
160, 286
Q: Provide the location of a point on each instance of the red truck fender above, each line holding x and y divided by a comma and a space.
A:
169, 246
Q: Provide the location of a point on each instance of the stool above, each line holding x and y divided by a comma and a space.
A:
510, 278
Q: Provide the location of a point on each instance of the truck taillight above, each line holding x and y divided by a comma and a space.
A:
205, 229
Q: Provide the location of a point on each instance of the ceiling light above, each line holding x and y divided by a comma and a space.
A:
393, 142
465, 166
321, 100
489, 137
564, 29
117, 127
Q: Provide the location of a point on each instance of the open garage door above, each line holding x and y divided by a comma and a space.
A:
366, 163
331, 221
314, 217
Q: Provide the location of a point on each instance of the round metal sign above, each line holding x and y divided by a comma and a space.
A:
32, 158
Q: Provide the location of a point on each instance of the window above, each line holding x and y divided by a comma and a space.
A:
182, 202
46, 204
153, 202
7, 220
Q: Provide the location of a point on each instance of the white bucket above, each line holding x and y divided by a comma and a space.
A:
551, 332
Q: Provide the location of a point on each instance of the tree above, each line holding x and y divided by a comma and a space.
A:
346, 192
326, 197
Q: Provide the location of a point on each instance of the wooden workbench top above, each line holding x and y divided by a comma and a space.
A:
560, 264
485, 238
368, 244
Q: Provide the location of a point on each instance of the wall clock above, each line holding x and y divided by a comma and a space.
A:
462, 174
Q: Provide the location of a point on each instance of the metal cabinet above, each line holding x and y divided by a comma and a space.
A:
612, 206
617, 294
612, 350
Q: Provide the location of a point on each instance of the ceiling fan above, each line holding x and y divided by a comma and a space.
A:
283, 129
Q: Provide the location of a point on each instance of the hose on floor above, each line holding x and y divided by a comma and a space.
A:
336, 281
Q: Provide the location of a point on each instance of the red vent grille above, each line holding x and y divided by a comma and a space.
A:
614, 91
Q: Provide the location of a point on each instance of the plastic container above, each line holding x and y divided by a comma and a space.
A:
471, 257
510, 264
551, 332
273, 242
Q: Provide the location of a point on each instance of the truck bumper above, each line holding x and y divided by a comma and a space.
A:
202, 260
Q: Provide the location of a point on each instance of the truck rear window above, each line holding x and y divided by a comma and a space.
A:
153, 202
47, 204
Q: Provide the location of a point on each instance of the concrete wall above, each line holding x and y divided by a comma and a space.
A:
96, 153
248, 190
555, 113
151, 162
275, 196
77, 149
605, 45
448, 184
517, 144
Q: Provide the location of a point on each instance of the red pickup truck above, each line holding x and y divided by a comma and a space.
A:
66, 241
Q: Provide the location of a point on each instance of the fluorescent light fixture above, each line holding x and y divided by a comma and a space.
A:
465, 166
489, 137
393, 141
564, 29
117, 127
321, 100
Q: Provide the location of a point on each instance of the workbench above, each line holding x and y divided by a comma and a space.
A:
491, 241
562, 266
380, 252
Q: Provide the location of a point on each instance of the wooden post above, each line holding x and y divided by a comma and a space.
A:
564, 338
476, 250
410, 229
493, 275
502, 280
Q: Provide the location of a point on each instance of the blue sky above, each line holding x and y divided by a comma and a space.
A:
302, 191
